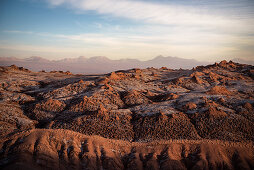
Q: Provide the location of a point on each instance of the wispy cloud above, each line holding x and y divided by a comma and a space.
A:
147, 12
111, 39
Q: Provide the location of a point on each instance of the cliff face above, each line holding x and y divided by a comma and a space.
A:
139, 118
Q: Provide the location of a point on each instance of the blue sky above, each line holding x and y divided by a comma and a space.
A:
206, 30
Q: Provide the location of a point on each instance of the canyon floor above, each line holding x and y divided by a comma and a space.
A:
150, 118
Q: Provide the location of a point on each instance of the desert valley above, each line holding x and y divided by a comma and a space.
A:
153, 118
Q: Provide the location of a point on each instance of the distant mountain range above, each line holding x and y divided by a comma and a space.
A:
98, 65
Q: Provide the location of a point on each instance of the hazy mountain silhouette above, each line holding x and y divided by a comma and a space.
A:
96, 65
239, 60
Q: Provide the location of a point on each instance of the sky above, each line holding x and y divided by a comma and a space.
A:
205, 30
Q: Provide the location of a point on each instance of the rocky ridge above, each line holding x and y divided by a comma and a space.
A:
207, 103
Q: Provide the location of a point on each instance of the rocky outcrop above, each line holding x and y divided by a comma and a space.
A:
134, 97
46, 110
219, 90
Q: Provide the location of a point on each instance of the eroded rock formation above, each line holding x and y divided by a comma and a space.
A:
129, 119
